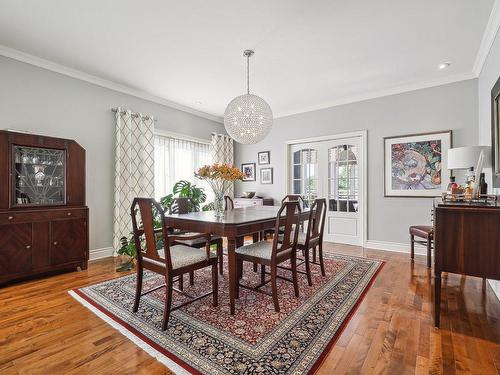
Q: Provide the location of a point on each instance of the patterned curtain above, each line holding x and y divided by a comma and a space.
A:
134, 167
221, 148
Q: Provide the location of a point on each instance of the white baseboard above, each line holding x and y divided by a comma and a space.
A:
105, 252
395, 246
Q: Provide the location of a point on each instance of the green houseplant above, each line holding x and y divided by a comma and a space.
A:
185, 189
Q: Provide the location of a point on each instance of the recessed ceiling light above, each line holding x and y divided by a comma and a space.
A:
198, 102
444, 65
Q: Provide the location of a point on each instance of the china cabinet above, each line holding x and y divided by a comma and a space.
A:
43, 217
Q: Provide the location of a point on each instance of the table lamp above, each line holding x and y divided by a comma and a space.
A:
478, 157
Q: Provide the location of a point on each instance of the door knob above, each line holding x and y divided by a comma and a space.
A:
28, 246
69, 214
55, 242
10, 217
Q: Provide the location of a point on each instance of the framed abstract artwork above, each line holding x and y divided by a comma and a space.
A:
266, 176
264, 157
248, 170
495, 133
415, 165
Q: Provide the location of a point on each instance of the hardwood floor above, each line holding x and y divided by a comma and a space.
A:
45, 331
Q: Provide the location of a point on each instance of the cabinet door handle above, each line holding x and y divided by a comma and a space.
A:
55, 242
10, 217
69, 214
28, 246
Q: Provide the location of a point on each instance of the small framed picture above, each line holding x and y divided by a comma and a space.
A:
248, 170
264, 157
266, 176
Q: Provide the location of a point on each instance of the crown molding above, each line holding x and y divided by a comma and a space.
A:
489, 36
385, 92
77, 74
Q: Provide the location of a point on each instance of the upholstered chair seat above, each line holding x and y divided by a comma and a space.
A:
262, 250
183, 256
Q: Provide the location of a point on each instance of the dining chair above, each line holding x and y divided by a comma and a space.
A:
274, 253
286, 198
257, 236
312, 239
184, 206
171, 261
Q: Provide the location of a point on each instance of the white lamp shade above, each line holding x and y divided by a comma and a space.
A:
466, 157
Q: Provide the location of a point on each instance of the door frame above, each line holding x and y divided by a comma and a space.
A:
364, 146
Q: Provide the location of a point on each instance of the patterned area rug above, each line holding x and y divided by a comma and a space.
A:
201, 339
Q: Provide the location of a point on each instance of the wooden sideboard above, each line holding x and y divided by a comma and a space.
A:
43, 217
466, 241
249, 202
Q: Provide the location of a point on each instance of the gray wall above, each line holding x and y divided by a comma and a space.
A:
48, 103
453, 106
487, 79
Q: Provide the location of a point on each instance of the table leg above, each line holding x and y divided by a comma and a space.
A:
437, 298
232, 270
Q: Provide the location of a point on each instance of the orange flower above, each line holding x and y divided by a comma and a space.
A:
226, 172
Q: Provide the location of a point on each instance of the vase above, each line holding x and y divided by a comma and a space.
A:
219, 204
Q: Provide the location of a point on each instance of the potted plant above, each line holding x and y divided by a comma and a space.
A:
185, 189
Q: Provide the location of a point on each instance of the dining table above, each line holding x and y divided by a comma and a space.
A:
235, 225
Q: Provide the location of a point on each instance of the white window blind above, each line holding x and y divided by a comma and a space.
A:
178, 159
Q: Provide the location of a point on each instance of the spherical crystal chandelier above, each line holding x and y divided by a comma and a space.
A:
248, 118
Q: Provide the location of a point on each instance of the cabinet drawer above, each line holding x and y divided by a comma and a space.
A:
32, 216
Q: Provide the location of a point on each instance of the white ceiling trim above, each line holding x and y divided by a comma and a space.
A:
387, 92
74, 73
488, 38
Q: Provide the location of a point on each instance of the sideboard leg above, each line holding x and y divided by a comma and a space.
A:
437, 298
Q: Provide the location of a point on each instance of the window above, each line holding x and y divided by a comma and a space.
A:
343, 179
177, 159
305, 175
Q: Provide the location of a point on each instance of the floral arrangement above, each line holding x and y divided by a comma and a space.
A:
226, 172
220, 177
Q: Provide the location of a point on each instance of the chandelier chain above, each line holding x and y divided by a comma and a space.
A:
248, 74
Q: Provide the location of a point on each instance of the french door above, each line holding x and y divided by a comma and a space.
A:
331, 169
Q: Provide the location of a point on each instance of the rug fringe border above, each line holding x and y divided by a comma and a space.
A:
172, 366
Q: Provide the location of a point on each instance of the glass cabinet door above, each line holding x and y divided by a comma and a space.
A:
39, 176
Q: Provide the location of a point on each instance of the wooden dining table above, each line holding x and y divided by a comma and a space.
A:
236, 224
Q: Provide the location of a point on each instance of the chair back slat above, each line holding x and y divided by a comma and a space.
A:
316, 221
289, 228
181, 206
146, 209
228, 203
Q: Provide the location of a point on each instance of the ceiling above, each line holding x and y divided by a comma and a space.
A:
308, 54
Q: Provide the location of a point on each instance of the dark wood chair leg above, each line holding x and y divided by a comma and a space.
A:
215, 285
321, 262
412, 246
429, 252
255, 238
274, 272
181, 282
308, 268
220, 256
314, 254
240, 269
168, 302
191, 278
294, 275
138, 289
262, 274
